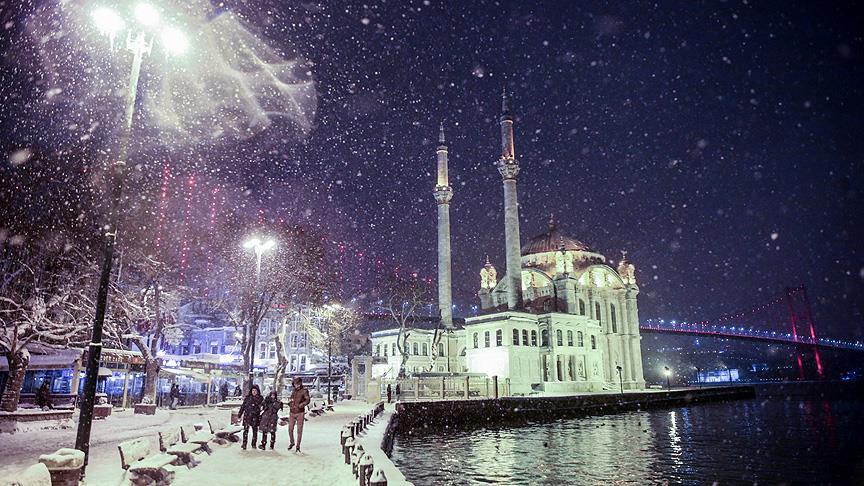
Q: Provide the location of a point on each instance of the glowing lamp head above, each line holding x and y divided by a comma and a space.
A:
147, 14
107, 21
174, 41
268, 245
667, 371
251, 243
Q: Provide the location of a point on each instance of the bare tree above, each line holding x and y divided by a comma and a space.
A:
330, 328
44, 298
403, 298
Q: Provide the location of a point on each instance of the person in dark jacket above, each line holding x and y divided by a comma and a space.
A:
43, 396
389, 393
269, 419
250, 412
297, 406
174, 395
238, 391
223, 391
398, 391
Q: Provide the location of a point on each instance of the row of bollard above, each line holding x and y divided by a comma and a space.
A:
361, 461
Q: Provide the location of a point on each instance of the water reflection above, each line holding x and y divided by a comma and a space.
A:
746, 441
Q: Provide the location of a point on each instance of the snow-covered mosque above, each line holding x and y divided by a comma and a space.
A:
561, 320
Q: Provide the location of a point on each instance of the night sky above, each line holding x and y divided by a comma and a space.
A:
719, 143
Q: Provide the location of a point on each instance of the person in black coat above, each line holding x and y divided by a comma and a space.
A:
389, 393
174, 395
223, 391
43, 396
269, 419
250, 412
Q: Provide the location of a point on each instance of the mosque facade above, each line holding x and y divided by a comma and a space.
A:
560, 320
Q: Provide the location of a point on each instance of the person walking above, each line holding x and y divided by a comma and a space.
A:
250, 413
174, 395
223, 390
389, 393
398, 391
297, 408
43, 396
269, 419
238, 391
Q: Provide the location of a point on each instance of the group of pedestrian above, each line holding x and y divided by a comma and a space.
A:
390, 392
260, 413
174, 396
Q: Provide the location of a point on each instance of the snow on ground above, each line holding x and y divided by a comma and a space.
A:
21, 450
321, 461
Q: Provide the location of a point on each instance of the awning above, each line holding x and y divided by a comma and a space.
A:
58, 360
187, 373
105, 371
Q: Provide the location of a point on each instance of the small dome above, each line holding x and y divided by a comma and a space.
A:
552, 240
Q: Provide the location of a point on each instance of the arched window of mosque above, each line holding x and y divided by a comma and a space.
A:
580, 341
476, 345
524, 337
612, 317
544, 338
593, 342
597, 311
499, 337
414, 347
440, 349
569, 338
378, 350
581, 307
515, 337
385, 351
559, 337
425, 349
547, 305
393, 349
486, 339
533, 338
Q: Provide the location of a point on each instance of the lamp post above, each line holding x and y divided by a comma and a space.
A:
259, 247
330, 307
620, 378
139, 41
668, 373
698, 378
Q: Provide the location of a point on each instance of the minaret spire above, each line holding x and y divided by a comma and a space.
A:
508, 167
443, 194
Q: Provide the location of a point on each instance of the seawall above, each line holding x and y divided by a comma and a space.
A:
508, 410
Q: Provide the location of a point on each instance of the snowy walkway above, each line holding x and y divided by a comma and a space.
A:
23, 449
321, 461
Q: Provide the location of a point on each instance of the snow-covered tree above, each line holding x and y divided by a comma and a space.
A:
403, 298
330, 328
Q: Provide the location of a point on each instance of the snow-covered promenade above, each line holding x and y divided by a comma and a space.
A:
321, 461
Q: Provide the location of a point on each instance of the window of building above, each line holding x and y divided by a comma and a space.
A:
580, 341
262, 350
533, 338
293, 361
524, 337
581, 307
544, 338
414, 348
385, 350
569, 338
272, 351
214, 347
515, 337
486, 338
476, 345
294, 340
597, 311
559, 337
499, 337
393, 349
612, 317
378, 349
197, 347
302, 362
302, 339
593, 342
547, 305
425, 348
440, 349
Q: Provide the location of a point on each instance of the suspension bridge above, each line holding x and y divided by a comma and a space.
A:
786, 319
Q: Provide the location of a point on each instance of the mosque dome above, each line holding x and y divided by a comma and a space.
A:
552, 240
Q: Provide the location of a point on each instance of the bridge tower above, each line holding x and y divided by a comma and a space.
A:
803, 330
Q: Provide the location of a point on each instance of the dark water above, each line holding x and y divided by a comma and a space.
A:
797, 441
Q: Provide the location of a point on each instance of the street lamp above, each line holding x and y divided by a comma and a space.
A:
698, 377
330, 307
620, 378
259, 247
139, 41
668, 373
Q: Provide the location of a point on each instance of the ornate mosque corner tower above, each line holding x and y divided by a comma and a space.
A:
508, 167
633, 338
443, 194
488, 281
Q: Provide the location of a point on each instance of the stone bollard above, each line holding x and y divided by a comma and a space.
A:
346, 434
64, 466
495, 385
355, 458
365, 469
347, 449
378, 478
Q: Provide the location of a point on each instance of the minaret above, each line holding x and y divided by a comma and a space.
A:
508, 167
443, 194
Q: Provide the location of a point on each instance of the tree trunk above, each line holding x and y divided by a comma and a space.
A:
151, 377
18, 363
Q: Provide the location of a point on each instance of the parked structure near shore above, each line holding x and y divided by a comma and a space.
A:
562, 319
